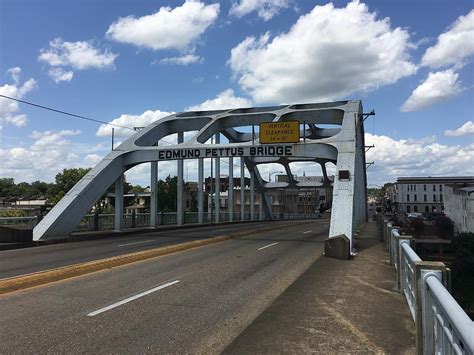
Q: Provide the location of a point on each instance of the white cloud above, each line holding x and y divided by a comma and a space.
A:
454, 45
18, 120
183, 60
224, 100
169, 28
394, 158
48, 154
266, 9
328, 53
437, 87
81, 55
131, 121
8, 108
58, 74
465, 130
15, 73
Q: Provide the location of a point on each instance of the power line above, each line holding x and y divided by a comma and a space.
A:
66, 113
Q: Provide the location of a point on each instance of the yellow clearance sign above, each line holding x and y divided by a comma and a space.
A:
280, 132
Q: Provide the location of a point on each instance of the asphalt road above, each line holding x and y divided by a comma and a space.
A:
24, 261
195, 301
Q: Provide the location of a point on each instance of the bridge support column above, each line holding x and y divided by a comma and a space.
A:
153, 194
230, 191
118, 221
252, 196
242, 189
261, 198
217, 196
200, 190
180, 187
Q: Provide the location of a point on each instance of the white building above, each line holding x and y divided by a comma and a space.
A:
424, 194
459, 206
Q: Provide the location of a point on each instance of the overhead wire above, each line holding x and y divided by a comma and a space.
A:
65, 113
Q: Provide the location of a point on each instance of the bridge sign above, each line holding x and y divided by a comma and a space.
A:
280, 132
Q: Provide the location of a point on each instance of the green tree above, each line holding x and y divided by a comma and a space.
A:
167, 194
12, 213
65, 180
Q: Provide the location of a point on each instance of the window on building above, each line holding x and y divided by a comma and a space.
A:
414, 187
427, 209
415, 209
433, 208
440, 197
416, 198
440, 187
408, 209
434, 198
434, 187
424, 187
424, 198
442, 208
408, 197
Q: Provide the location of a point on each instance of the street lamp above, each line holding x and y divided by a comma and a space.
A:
270, 175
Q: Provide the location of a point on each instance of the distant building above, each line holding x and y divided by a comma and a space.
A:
459, 206
424, 194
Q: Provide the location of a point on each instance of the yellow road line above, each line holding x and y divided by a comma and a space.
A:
22, 282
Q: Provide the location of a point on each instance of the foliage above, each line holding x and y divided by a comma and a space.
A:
445, 226
167, 194
418, 226
12, 213
463, 271
463, 245
65, 180
8, 188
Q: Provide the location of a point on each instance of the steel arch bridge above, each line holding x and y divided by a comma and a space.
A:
341, 144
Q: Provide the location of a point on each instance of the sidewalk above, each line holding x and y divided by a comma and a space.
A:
337, 307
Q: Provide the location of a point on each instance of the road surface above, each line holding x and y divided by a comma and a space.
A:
196, 301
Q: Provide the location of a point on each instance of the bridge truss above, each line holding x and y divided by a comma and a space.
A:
330, 133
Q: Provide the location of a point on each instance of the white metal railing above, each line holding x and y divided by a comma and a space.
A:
453, 329
408, 258
442, 325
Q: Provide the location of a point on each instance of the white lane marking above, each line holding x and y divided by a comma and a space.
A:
141, 242
268, 246
130, 299
307, 232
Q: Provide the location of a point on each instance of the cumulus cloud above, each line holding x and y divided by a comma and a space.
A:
465, 130
266, 9
8, 108
183, 60
58, 74
224, 100
394, 158
328, 53
169, 28
453, 46
131, 121
437, 87
49, 153
81, 55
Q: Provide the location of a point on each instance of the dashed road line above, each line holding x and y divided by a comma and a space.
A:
268, 246
130, 299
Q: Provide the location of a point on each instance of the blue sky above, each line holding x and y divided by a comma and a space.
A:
136, 61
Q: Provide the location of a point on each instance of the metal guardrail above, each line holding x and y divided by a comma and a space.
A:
30, 222
442, 326
103, 222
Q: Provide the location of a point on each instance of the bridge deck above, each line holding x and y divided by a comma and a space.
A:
336, 307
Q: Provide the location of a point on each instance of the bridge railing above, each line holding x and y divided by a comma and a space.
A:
105, 221
442, 326
29, 222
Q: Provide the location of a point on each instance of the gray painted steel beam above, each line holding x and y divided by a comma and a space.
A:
342, 146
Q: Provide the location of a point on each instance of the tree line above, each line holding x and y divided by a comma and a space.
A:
65, 180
